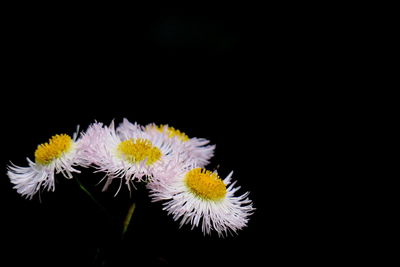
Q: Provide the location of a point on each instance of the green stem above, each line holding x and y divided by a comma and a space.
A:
128, 219
89, 194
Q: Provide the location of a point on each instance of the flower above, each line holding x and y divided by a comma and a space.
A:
197, 195
194, 149
59, 155
129, 154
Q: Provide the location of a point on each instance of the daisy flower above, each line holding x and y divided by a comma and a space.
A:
193, 149
197, 196
131, 155
59, 155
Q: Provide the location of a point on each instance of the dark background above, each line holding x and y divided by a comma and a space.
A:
224, 74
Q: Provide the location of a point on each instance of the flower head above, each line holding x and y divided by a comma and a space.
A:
59, 155
128, 154
198, 196
194, 150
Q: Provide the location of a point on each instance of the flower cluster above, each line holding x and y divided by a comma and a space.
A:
166, 159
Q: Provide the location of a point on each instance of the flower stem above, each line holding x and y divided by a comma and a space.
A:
83, 188
128, 219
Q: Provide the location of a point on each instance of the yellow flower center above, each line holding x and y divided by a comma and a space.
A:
205, 184
53, 149
138, 150
172, 132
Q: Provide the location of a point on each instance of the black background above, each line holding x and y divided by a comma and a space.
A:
219, 73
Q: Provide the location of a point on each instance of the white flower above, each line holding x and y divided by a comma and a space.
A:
193, 149
198, 196
130, 155
59, 155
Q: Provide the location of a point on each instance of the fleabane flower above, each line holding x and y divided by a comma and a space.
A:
193, 149
198, 196
131, 156
59, 155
